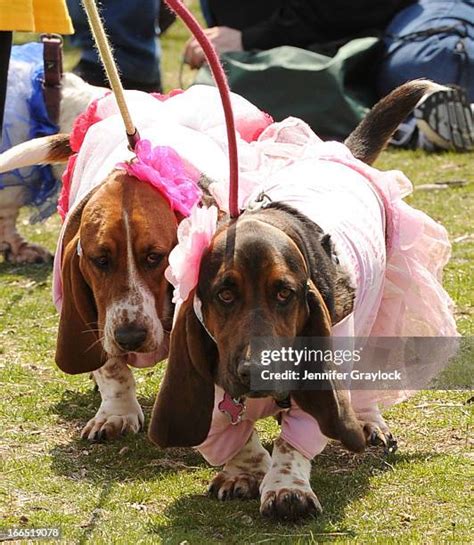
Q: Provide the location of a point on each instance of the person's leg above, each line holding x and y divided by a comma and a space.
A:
431, 39
5, 50
130, 25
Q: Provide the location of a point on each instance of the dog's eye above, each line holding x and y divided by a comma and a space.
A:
153, 259
226, 296
101, 262
284, 295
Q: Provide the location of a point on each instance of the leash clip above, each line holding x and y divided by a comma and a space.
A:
261, 201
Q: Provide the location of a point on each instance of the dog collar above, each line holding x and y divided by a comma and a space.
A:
197, 306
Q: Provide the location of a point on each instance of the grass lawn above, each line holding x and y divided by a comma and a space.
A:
130, 492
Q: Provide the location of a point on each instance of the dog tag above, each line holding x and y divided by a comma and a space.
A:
232, 407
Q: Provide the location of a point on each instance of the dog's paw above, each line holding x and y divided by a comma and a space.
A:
242, 474
290, 504
109, 424
245, 486
286, 492
377, 435
26, 253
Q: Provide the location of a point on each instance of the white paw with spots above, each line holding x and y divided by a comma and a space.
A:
285, 491
113, 420
242, 475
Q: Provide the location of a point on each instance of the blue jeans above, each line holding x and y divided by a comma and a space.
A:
207, 13
432, 39
131, 27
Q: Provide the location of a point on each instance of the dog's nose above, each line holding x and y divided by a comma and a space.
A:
130, 336
244, 370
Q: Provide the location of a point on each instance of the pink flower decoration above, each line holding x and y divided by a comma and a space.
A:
164, 169
194, 237
63, 201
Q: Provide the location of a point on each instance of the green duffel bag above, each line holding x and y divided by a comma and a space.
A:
330, 89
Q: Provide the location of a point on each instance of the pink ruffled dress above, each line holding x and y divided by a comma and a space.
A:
185, 130
394, 253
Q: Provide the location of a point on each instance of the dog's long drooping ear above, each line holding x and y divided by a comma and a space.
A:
372, 134
329, 405
183, 409
78, 349
47, 150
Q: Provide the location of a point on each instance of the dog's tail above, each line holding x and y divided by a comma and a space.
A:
39, 151
372, 134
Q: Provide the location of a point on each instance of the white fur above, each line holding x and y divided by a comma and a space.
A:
290, 473
137, 306
242, 475
32, 152
119, 410
76, 95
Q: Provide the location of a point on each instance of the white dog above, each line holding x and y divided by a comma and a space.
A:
23, 108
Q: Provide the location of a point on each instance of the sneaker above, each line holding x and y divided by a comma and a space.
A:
445, 118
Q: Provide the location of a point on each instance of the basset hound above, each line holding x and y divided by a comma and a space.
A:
311, 257
121, 214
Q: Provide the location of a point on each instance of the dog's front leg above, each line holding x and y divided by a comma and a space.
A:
375, 428
285, 491
13, 246
242, 475
119, 410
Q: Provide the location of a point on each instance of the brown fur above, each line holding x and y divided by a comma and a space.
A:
254, 261
184, 419
60, 149
87, 291
374, 131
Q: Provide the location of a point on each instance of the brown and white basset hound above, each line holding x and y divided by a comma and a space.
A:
271, 273
116, 309
109, 285
116, 300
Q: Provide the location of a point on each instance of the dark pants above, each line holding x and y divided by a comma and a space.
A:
130, 25
431, 39
5, 49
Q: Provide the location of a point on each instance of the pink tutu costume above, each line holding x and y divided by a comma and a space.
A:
394, 253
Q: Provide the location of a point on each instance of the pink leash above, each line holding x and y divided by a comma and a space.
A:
221, 81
